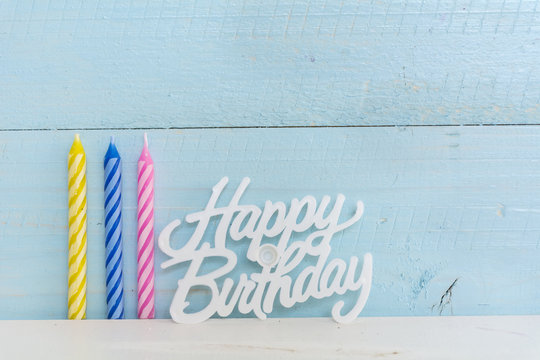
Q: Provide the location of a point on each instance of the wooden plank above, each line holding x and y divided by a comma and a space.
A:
204, 63
442, 203
508, 337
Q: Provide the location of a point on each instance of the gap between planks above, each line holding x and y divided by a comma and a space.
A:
263, 127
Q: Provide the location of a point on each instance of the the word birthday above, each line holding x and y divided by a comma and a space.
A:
257, 292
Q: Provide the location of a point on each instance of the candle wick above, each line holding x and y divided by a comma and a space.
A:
145, 140
112, 139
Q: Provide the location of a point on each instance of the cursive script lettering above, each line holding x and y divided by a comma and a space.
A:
257, 292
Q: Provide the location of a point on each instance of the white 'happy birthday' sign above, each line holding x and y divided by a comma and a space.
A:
257, 292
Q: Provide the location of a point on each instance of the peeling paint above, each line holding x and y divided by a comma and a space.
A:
446, 299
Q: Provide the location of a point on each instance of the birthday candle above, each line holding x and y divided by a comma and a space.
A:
77, 231
113, 232
145, 234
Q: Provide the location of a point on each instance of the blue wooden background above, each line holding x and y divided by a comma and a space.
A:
379, 100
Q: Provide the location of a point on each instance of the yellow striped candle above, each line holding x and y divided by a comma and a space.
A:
77, 231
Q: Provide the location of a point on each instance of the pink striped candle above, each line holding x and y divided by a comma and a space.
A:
145, 235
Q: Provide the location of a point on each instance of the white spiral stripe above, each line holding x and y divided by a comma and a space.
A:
75, 163
143, 198
80, 175
116, 236
77, 243
147, 170
144, 216
110, 165
74, 167
146, 312
75, 265
110, 203
74, 227
146, 293
76, 284
146, 271
113, 217
112, 183
114, 278
142, 241
80, 298
81, 197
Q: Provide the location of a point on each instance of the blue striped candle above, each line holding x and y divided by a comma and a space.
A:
113, 232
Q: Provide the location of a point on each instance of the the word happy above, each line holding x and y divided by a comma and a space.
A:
257, 292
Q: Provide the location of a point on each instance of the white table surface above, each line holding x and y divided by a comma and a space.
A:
497, 337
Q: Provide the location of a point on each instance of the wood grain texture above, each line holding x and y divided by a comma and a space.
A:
427, 338
442, 203
203, 63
